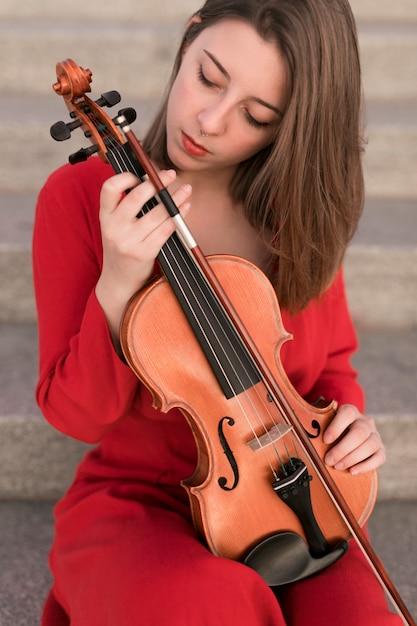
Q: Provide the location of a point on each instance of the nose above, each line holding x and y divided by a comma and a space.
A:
214, 117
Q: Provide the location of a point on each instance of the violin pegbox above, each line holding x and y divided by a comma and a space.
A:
73, 82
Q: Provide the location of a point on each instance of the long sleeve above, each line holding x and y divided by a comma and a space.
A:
338, 379
318, 360
83, 388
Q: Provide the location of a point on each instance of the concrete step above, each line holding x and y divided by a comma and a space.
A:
98, 11
135, 55
384, 10
382, 286
381, 263
145, 49
390, 160
36, 462
127, 10
387, 366
27, 531
165, 10
384, 51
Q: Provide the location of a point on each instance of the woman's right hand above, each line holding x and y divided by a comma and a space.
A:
130, 245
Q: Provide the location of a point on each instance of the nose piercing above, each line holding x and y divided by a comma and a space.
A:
203, 134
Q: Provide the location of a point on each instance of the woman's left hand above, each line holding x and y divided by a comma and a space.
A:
357, 443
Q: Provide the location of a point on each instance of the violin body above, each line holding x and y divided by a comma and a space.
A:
161, 348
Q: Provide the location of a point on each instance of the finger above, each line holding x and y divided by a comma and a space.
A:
353, 450
346, 415
156, 237
359, 430
159, 220
181, 197
115, 187
138, 197
369, 464
113, 190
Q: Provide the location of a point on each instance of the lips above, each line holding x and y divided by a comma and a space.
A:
192, 147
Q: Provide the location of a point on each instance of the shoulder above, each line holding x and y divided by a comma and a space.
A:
333, 306
71, 194
325, 315
86, 177
68, 205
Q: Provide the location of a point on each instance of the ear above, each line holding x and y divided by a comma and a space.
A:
196, 19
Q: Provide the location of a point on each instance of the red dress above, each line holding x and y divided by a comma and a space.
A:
125, 551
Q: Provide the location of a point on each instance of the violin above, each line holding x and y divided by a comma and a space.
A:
261, 493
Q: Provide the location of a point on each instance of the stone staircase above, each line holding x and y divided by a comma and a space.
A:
130, 50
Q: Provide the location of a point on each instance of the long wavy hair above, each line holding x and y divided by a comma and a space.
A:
307, 186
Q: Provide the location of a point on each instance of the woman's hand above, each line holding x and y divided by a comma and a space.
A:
130, 245
357, 444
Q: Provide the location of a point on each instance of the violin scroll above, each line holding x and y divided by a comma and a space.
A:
72, 80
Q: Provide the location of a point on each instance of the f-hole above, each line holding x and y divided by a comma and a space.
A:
229, 454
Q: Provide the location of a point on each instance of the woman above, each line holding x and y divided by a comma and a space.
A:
261, 122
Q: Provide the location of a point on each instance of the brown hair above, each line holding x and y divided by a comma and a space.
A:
307, 186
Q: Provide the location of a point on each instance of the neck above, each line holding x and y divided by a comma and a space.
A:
209, 189
218, 222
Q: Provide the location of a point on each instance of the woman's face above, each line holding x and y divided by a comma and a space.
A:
232, 87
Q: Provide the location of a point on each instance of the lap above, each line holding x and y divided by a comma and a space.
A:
116, 561
346, 593
136, 560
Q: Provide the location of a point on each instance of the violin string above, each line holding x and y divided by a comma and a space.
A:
124, 162
180, 251
261, 394
177, 270
117, 150
261, 422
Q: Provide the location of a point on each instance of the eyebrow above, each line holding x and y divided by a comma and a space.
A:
227, 75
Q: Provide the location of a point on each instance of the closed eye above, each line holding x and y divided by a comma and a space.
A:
254, 122
250, 119
202, 78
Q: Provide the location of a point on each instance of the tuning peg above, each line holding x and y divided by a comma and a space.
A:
109, 99
128, 113
60, 131
82, 155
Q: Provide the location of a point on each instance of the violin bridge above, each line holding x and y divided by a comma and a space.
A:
269, 437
